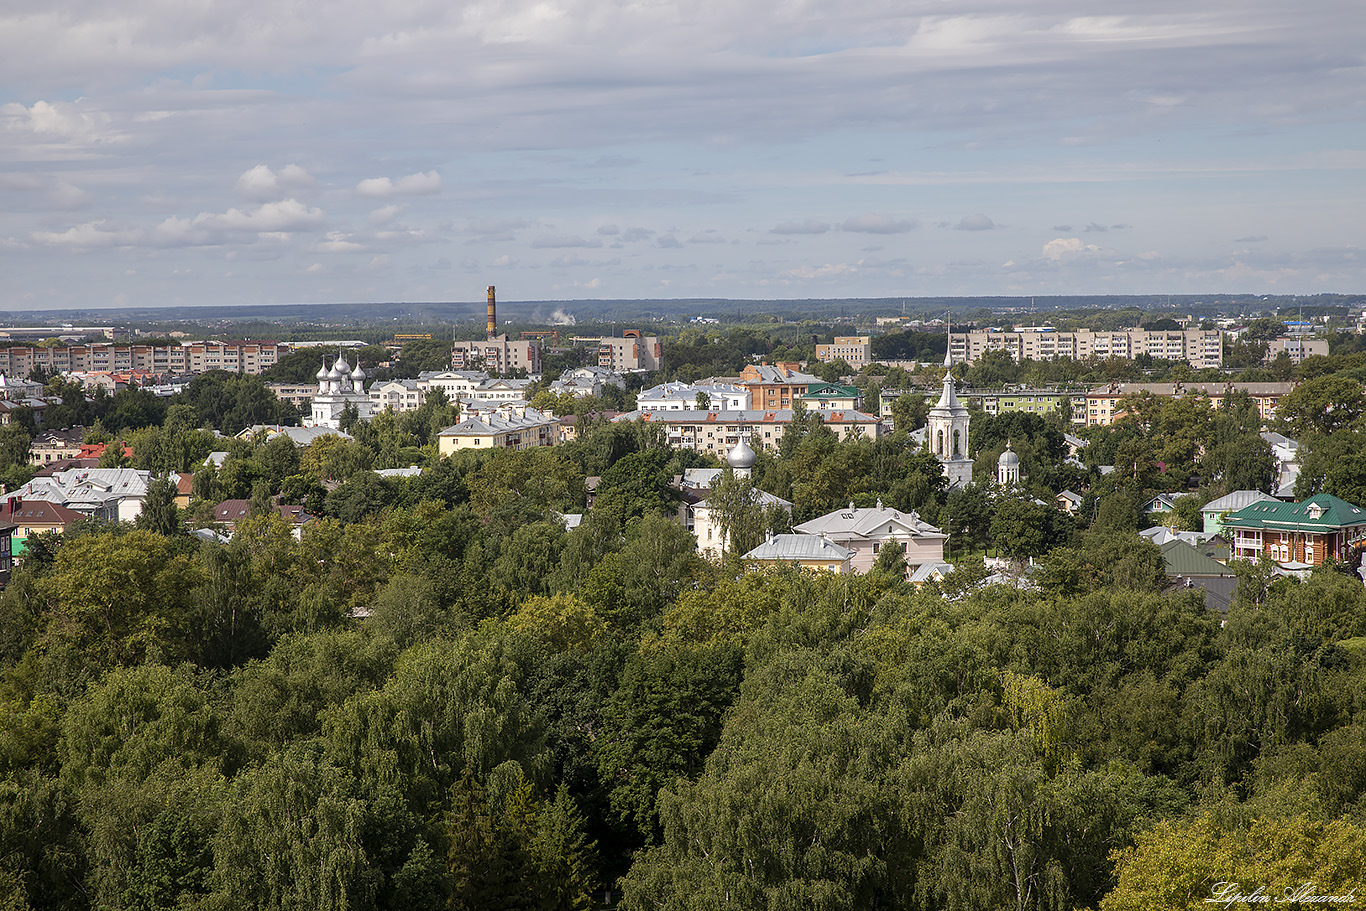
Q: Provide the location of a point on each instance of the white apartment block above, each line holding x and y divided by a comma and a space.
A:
396, 395
1197, 347
501, 391
459, 386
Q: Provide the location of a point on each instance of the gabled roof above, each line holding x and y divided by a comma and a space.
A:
231, 510
1180, 559
700, 478
1163, 502
38, 512
71, 436
936, 570
688, 391
1321, 513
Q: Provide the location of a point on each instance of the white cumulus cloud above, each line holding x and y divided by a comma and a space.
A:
1061, 248
90, 234
64, 121
261, 183
421, 184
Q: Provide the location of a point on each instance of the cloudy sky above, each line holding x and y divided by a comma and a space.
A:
254, 151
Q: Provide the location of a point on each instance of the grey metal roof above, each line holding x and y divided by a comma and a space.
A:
1236, 500
797, 548
867, 523
499, 423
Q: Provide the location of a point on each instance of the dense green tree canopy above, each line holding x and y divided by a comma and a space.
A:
436, 694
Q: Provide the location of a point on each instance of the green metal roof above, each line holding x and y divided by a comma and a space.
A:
1183, 560
1320, 513
830, 390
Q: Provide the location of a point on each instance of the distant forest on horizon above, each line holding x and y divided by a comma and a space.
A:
738, 310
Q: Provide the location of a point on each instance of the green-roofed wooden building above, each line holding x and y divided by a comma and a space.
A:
1307, 533
833, 397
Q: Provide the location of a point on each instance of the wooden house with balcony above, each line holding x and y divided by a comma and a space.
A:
1302, 534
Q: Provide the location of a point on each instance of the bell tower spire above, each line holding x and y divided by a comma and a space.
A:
948, 430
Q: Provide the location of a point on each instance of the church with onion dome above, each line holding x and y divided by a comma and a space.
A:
339, 386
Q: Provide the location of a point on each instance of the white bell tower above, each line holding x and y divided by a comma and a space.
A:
948, 431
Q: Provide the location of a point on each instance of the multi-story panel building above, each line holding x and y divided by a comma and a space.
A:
1104, 404
193, 357
499, 354
297, 394
632, 353
1197, 347
1296, 347
1029, 401
854, 350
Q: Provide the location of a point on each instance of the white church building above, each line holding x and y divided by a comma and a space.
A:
338, 387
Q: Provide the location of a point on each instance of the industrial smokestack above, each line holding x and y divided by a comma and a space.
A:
493, 315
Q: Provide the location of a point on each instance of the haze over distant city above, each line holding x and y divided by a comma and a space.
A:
164, 154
